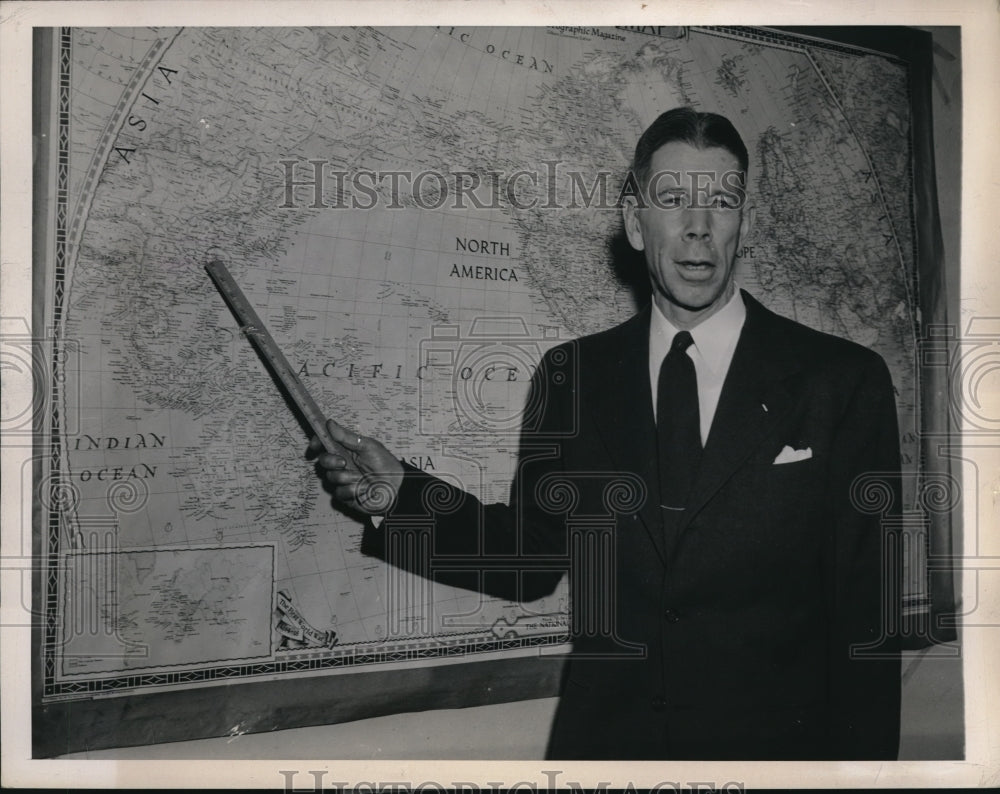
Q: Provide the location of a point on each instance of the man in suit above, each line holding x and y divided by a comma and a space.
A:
747, 598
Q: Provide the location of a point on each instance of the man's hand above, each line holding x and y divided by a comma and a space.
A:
367, 479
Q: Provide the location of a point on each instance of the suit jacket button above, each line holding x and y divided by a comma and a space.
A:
671, 616
659, 703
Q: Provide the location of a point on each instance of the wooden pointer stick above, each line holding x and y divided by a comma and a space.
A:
254, 329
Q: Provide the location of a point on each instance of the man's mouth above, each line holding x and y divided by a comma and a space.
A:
696, 267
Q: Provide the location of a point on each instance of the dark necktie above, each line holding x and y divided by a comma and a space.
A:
678, 428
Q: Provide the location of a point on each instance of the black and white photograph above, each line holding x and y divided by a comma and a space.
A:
429, 395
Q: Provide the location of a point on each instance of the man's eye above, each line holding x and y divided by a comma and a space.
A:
670, 200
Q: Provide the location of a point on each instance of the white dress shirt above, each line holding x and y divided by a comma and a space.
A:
712, 352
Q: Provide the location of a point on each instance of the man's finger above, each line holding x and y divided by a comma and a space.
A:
343, 436
342, 476
346, 493
328, 461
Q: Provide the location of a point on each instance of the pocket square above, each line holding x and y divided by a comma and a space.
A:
789, 455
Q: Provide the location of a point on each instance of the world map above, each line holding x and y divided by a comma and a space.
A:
414, 308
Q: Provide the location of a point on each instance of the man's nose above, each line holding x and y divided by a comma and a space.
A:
697, 224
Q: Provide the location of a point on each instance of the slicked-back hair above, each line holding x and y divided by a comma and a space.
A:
690, 126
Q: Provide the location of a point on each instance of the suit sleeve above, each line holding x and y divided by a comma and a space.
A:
862, 569
514, 551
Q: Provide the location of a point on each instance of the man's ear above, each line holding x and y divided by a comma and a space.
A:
633, 230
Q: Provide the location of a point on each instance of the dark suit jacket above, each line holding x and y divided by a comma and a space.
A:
738, 635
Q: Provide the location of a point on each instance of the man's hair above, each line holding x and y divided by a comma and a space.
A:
687, 125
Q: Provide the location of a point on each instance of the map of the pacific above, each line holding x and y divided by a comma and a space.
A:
417, 214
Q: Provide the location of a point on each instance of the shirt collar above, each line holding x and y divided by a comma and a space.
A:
715, 339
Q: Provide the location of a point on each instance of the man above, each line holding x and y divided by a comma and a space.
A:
743, 611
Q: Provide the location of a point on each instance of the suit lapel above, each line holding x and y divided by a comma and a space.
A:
622, 410
753, 402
